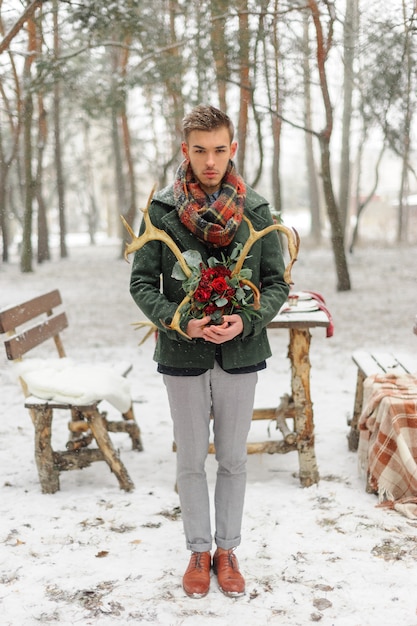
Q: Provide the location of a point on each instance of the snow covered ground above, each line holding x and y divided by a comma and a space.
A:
94, 555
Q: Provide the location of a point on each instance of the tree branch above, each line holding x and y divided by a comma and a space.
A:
27, 14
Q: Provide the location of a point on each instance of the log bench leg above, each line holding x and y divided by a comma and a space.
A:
99, 430
298, 353
47, 470
133, 430
127, 425
353, 436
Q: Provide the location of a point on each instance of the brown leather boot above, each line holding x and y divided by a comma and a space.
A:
196, 580
226, 568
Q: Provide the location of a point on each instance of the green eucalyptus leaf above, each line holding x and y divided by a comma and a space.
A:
177, 272
212, 262
236, 251
246, 273
221, 302
192, 258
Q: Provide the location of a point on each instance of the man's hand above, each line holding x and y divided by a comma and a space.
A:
195, 327
232, 327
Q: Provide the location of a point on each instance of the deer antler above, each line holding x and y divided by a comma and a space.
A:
149, 325
153, 233
293, 246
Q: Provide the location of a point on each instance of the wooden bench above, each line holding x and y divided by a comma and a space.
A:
370, 363
27, 326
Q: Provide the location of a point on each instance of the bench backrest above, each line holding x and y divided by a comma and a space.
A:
47, 324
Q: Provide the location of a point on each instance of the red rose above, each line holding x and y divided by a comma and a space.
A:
230, 293
206, 275
219, 284
209, 309
221, 270
202, 293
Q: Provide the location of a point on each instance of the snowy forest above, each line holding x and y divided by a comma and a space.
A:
92, 94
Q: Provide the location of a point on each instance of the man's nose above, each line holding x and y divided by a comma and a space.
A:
210, 159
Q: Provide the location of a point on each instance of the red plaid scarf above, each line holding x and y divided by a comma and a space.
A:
214, 223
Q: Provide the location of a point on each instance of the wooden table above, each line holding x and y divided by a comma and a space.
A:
298, 406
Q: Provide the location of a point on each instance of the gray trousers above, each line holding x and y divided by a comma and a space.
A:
192, 399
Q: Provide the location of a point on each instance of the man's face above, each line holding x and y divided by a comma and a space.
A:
209, 153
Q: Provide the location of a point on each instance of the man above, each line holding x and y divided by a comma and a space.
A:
214, 372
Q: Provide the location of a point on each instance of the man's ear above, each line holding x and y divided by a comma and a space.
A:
184, 149
233, 149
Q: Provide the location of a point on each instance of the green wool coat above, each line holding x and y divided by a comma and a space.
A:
157, 294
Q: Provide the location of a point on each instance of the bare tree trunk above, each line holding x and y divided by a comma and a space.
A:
349, 46
260, 160
276, 122
271, 75
258, 65
361, 206
218, 10
4, 169
131, 209
3, 219
120, 187
13, 112
92, 209
342, 272
174, 81
244, 83
402, 198
57, 145
337, 235
201, 73
43, 252
26, 251
403, 204
313, 188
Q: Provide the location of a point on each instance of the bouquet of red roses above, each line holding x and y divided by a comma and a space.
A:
215, 291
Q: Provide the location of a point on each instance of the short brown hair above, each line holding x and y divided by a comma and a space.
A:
206, 117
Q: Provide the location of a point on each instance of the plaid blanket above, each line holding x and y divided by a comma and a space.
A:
388, 440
